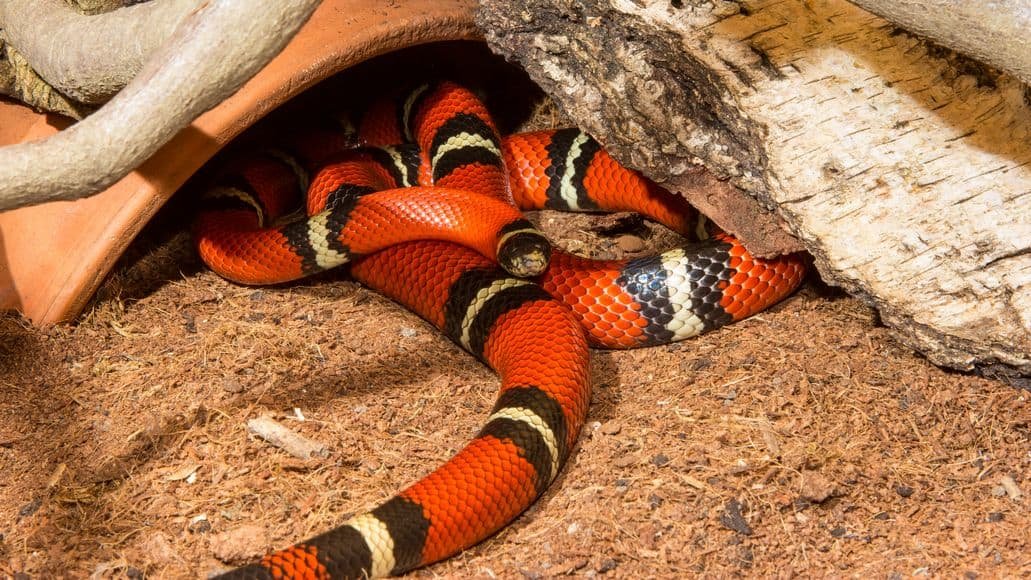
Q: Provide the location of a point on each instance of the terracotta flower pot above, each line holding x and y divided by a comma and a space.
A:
55, 255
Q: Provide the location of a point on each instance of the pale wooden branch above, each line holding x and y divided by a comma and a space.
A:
282, 437
212, 53
89, 58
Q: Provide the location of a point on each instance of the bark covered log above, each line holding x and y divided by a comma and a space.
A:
903, 168
995, 33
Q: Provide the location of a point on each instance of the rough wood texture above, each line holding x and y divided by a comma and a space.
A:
196, 68
995, 33
89, 58
903, 168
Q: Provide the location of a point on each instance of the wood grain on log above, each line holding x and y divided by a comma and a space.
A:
907, 178
995, 33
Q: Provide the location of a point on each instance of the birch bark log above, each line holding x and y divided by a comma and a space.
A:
904, 168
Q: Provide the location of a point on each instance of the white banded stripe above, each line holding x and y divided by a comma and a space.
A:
483, 296
528, 230
685, 323
701, 228
567, 188
399, 163
318, 238
465, 140
406, 111
346, 125
224, 192
381, 544
290, 161
531, 418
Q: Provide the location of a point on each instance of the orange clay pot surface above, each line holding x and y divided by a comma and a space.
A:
55, 255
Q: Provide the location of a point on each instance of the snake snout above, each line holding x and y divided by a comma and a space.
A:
524, 254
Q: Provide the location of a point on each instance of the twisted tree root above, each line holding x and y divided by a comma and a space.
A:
215, 49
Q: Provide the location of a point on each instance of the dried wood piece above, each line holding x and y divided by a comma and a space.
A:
902, 167
213, 51
995, 33
89, 58
284, 438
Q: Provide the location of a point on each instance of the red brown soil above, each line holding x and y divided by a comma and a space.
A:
801, 441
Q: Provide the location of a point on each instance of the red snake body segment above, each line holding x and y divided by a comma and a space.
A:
397, 211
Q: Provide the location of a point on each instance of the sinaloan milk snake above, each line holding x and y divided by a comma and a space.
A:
426, 210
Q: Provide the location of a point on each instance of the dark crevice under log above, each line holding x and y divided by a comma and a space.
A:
907, 176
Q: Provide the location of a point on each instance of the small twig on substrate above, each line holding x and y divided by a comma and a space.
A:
282, 437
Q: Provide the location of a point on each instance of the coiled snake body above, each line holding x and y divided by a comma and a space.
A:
426, 210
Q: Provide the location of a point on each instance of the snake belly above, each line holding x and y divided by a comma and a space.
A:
426, 210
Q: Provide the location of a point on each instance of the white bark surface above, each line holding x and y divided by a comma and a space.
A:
907, 179
997, 32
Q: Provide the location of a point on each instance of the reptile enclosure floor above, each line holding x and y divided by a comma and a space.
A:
801, 441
